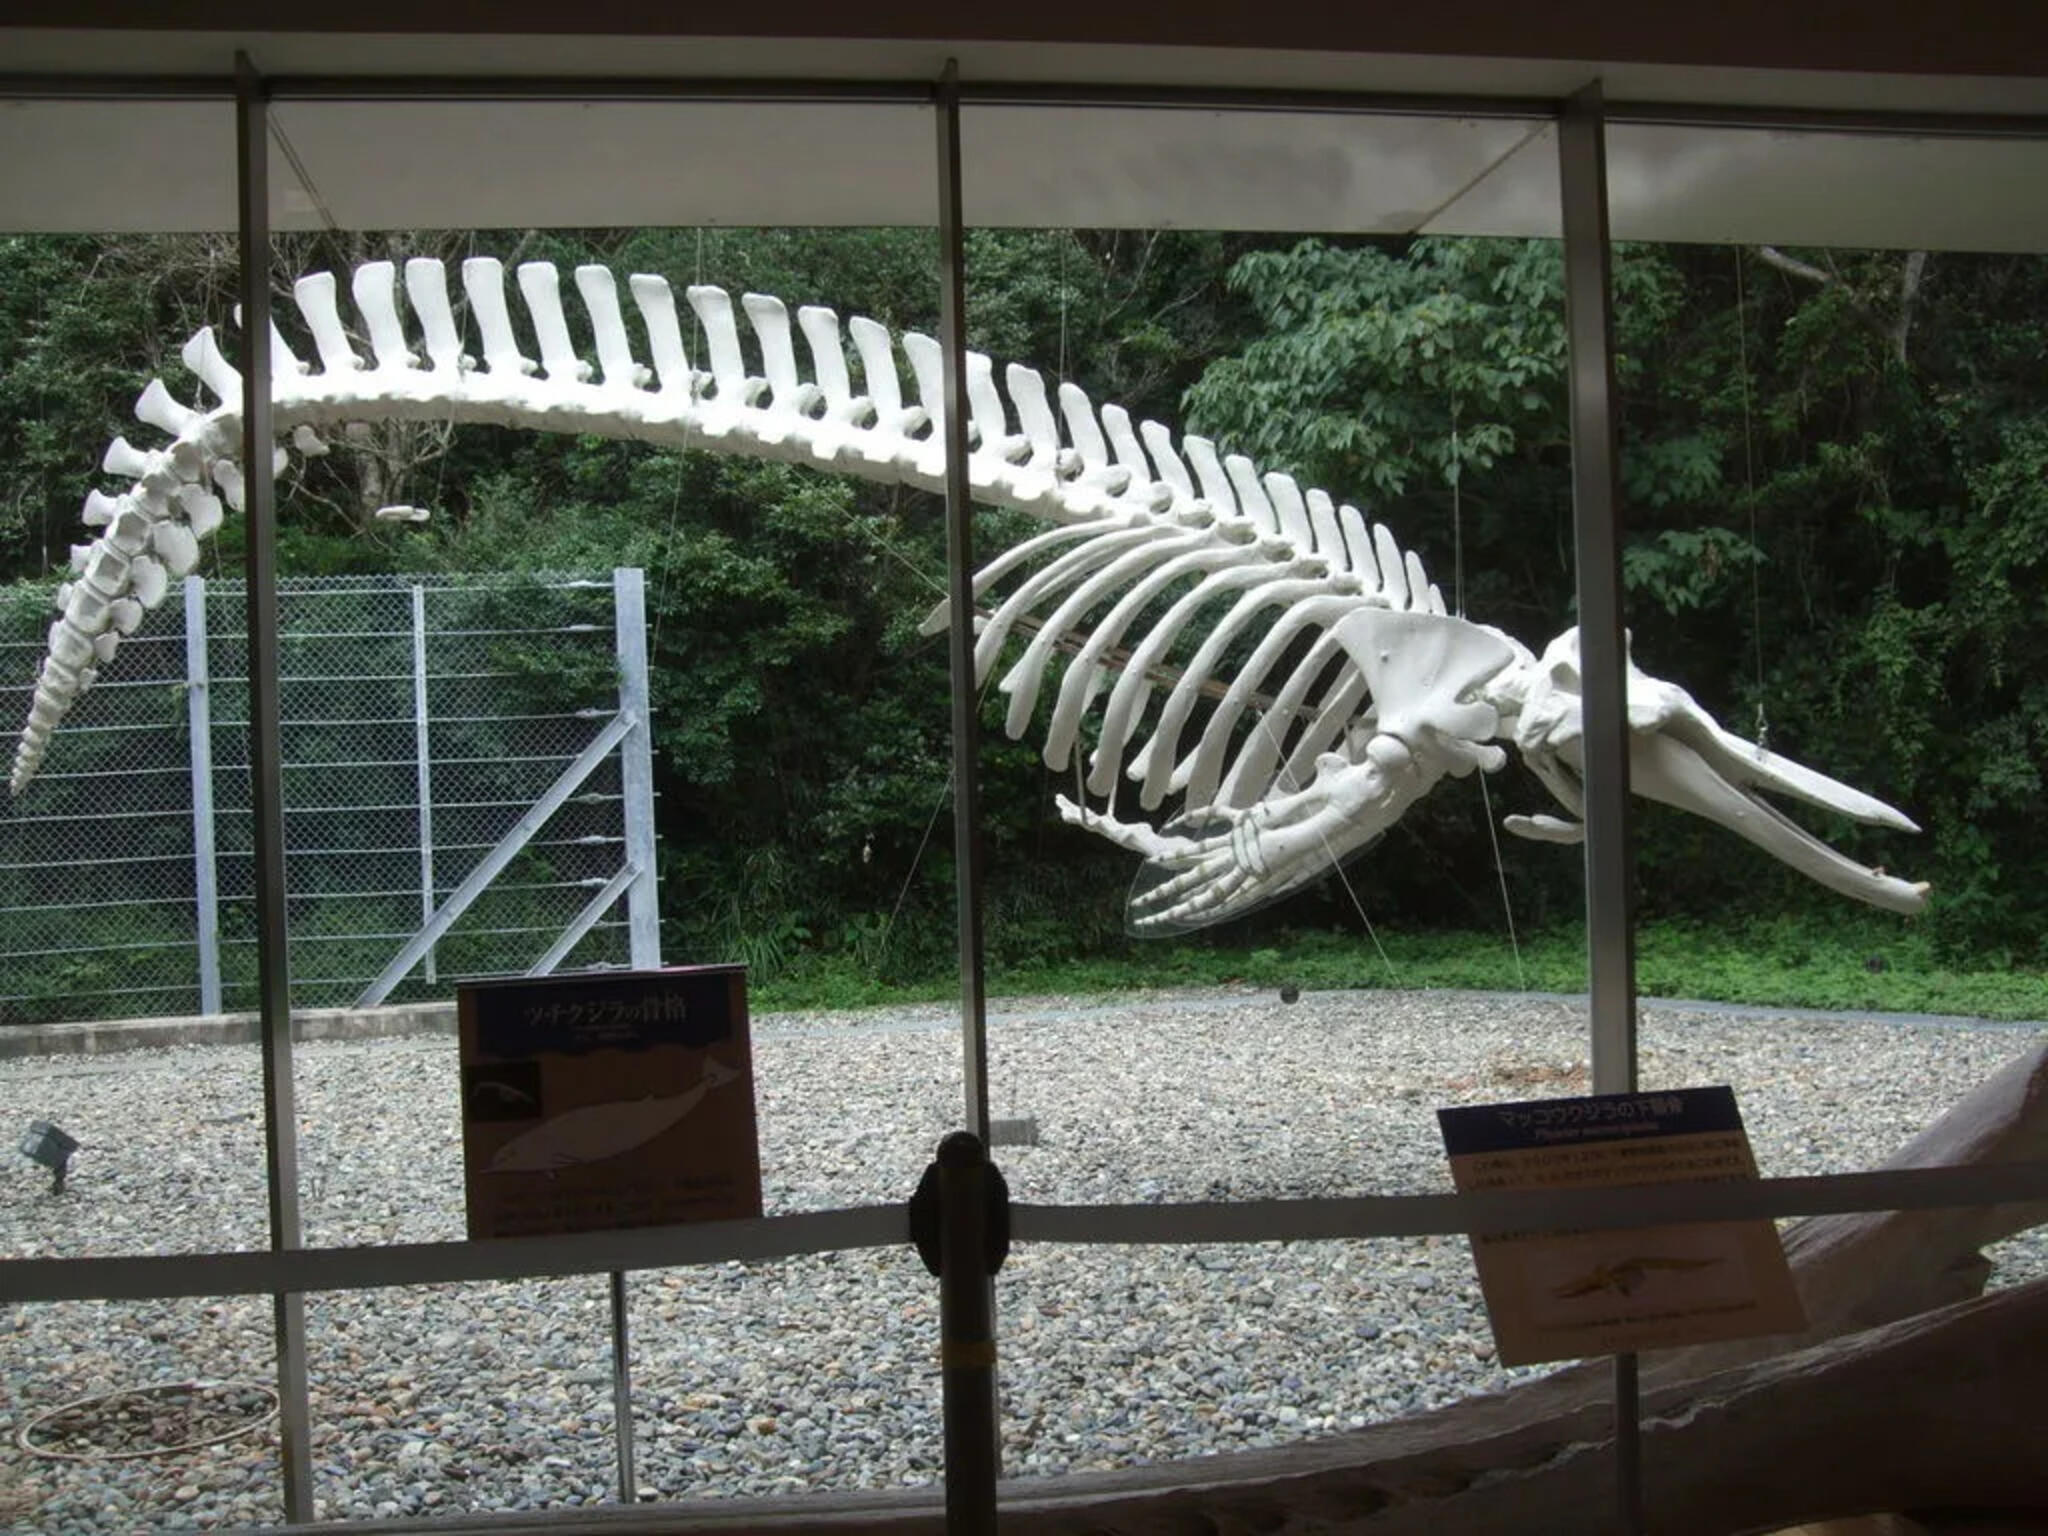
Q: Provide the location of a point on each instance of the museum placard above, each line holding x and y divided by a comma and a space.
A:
1561, 1295
618, 1099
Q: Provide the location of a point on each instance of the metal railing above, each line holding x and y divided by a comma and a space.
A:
425, 721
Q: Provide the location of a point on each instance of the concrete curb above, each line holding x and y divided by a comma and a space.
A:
101, 1037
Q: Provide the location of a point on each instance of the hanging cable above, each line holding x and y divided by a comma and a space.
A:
1756, 591
675, 507
1500, 868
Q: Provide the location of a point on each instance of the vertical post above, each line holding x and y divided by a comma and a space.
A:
967, 1343
622, 1392
199, 723
1596, 503
266, 778
423, 769
636, 766
967, 859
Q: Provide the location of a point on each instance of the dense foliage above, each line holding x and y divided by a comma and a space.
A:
1837, 476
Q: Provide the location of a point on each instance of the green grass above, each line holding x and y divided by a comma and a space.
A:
1851, 963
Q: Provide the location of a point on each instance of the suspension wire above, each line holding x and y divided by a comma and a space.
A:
1756, 597
1500, 868
675, 506
1457, 517
1287, 779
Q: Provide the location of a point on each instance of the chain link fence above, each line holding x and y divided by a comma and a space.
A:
432, 732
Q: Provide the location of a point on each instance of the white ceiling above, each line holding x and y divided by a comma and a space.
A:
126, 164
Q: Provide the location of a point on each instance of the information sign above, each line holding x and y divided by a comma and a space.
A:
1564, 1295
617, 1099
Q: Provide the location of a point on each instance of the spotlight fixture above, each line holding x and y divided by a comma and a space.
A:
44, 1143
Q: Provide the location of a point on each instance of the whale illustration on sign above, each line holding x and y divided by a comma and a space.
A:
593, 1133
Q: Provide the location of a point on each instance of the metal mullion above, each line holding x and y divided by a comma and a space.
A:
1603, 655
971, 1410
266, 780
967, 851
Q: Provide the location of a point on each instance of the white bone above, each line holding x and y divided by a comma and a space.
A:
1216, 489
426, 285
1127, 700
1166, 464
228, 476
284, 362
150, 581
787, 395
541, 286
1061, 573
828, 360
608, 330
878, 371
1393, 569
1329, 536
1286, 497
202, 355
722, 341
1389, 695
483, 279
375, 286
1025, 679
1159, 753
161, 411
1251, 495
314, 294
1075, 696
657, 304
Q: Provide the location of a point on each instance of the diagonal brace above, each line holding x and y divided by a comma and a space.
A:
493, 863
586, 919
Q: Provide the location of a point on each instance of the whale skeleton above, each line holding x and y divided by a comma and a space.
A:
1303, 681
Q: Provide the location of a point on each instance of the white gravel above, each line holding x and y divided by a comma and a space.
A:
818, 1372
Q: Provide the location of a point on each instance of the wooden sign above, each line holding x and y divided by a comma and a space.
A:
619, 1099
1564, 1295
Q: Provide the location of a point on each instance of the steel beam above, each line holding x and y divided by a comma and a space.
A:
266, 778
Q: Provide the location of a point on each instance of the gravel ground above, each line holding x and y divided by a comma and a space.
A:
818, 1372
